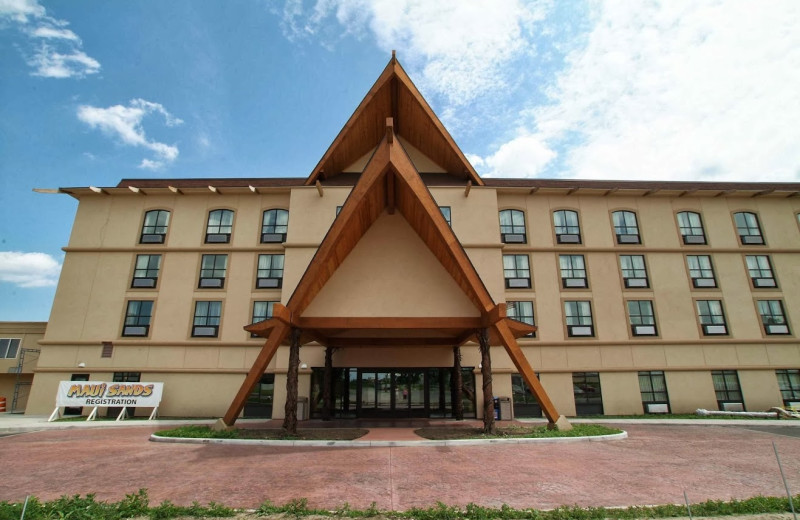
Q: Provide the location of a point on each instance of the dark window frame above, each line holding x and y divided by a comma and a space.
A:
6, 348
701, 274
789, 386
572, 269
269, 306
761, 276
567, 232
650, 391
220, 231
579, 319
643, 318
514, 230
146, 276
517, 277
154, 231
138, 314
625, 232
515, 311
273, 227
207, 318
447, 213
213, 276
692, 233
727, 387
634, 276
748, 228
711, 320
587, 393
773, 317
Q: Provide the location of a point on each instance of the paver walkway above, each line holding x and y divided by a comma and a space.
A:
654, 465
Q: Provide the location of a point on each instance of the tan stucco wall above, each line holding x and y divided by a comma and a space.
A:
760, 390
621, 395
689, 391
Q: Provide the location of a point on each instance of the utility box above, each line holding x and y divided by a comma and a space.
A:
302, 408
504, 409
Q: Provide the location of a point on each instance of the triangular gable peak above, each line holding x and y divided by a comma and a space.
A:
394, 96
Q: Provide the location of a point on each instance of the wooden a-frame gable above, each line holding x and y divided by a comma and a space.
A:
391, 183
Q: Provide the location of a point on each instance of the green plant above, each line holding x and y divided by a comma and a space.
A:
199, 432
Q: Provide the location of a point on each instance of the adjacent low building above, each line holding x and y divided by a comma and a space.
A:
647, 297
19, 354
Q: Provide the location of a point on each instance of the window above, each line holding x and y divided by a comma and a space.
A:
712, 319
748, 229
154, 228
588, 395
206, 319
521, 311
446, 214
517, 272
262, 311
512, 227
270, 272
653, 387
691, 227
108, 350
220, 226
525, 403
729, 393
773, 317
9, 347
634, 272
760, 270
626, 228
212, 271
573, 272
127, 377
701, 271
275, 224
789, 384
642, 318
579, 318
145, 273
566, 225
137, 318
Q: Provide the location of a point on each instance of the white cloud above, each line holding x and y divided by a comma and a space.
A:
51, 64
677, 90
125, 123
462, 47
28, 269
523, 156
20, 10
62, 56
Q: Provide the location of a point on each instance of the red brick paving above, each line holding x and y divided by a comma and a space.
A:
654, 465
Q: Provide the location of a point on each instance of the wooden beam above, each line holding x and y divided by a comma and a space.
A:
525, 369
390, 196
253, 189
98, 190
763, 192
175, 190
389, 130
469, 187
268, 351
497, 313
319, 188
46, 190
572, 191
136, 190
213, 189
391, 342
388, 323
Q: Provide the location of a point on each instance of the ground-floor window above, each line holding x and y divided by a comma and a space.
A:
525, 404
653, 387
259, 402
124, 377
392, 392
729, 393
588, 396
789, 383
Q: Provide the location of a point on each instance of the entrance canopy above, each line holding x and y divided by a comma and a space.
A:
389, 183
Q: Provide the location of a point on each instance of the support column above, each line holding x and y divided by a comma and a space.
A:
458, 400
486, 373
327, 405
290, 418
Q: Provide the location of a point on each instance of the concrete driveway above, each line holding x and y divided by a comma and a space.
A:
654, 465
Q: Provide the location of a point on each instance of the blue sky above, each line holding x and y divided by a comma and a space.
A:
92, 92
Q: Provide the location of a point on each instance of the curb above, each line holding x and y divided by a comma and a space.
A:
386, 444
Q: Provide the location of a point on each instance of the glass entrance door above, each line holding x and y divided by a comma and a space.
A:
392, 393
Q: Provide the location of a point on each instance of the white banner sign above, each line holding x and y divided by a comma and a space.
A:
96, 393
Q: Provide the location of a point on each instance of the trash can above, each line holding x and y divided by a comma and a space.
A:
504, 408
496, 403
302, 408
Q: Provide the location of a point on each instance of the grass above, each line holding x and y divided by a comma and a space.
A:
204, 432
515, 432
137, 505
677, 416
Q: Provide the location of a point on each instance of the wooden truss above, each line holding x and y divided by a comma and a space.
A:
391, 183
